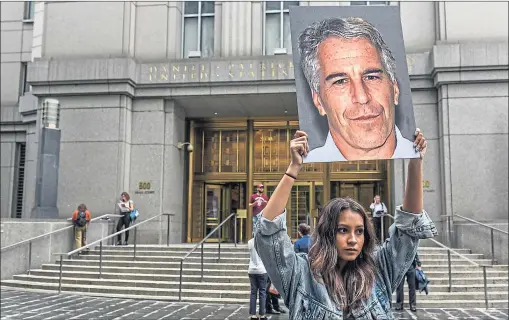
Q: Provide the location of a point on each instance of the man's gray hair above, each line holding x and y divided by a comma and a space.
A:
349, 28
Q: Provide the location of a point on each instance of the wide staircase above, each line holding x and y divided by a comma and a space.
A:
155, 274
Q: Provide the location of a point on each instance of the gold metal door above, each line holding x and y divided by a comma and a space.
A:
361, 191
300, 205
221, 200
213, 207
300, 208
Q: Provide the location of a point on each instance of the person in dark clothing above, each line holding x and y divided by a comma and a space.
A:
272, 302
410, 276
304, 242
125, 205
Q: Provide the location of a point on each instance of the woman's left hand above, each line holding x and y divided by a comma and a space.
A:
420, 143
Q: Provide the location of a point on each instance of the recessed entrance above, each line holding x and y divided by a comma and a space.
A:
232, 157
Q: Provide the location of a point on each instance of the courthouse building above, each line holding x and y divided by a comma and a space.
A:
138, 82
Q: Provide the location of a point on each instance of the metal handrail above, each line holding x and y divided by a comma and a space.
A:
104, 216
55, 231
449, 250
492, 236
201, 243
100, 241
481, 224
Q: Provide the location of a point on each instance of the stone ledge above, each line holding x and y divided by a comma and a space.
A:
446, 63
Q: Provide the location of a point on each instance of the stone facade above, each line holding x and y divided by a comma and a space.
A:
124, 104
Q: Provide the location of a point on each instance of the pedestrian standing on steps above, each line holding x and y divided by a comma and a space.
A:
258, 280
80, 218
343, 276
304, 242
273, 296
258, 201
126, 205
378, 212
410, 278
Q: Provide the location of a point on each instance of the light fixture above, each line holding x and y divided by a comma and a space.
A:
279, 51
286, 111
50, 113
215, 113
180, 146
194, 54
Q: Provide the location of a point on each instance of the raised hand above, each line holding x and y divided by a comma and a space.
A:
299, 147
420, 143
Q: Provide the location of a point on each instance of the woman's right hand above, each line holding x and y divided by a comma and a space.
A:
299, 147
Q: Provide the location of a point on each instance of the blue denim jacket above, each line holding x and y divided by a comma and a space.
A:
308, 299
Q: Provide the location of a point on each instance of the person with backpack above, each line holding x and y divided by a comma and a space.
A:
126, 206
80, 218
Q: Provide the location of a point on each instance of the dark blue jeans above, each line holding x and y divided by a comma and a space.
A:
258, 285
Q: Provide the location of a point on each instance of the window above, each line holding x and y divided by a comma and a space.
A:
23, 84
29, 10
220, 150
198, 28
369, 3
19, 182
277, 26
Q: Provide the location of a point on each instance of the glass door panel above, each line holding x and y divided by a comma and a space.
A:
299, 208
361, 191
213, 194
366, 194
319, 204
237, 201
348, 190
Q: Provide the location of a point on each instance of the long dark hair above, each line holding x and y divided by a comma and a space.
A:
127, 197
355, 282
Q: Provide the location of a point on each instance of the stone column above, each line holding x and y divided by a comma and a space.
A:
173, 171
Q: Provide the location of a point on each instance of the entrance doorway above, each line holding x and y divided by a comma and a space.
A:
361, 191
221, 200
305, 199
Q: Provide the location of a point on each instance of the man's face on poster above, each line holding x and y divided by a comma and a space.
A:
355, 92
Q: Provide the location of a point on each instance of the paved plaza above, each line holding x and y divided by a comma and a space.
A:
21, 304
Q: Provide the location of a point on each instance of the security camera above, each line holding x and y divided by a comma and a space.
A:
181, 145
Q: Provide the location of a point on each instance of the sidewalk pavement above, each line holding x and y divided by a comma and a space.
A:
37, 305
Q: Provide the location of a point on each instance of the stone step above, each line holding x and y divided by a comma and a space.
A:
213, 248
208, 254
155, 271
155, 264
233, 266
421, 303
141, 276
455, 260
456, 280
467, 304
140, 257
234, 260
457, 272
197, 254
474, 295
208, 247
229, 294
133, 281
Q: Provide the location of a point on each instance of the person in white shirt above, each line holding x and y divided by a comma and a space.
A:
258, 278
378, 211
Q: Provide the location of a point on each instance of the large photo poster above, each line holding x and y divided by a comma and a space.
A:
353, 89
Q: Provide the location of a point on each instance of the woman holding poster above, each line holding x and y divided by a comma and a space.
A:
344, 276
